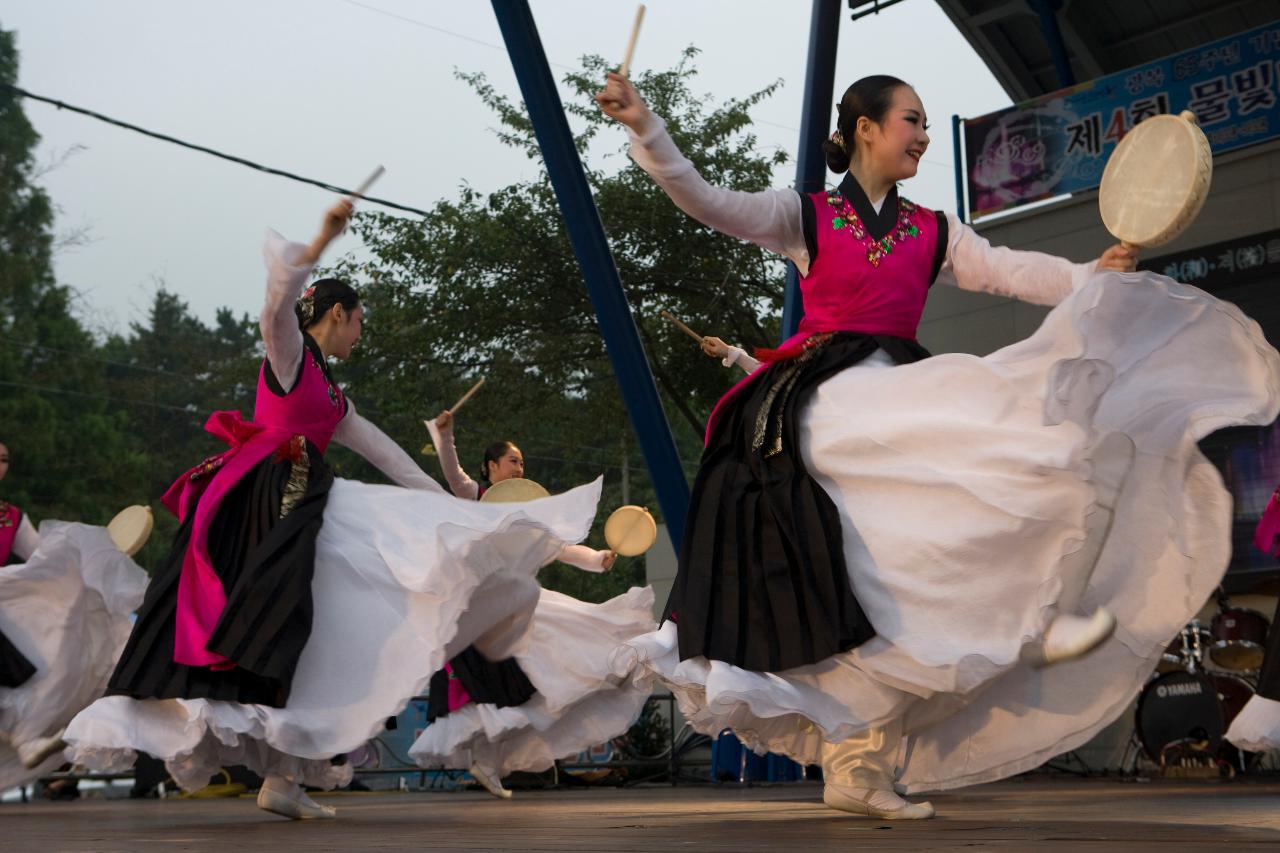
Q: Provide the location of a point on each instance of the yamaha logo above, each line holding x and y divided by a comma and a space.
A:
1189, 688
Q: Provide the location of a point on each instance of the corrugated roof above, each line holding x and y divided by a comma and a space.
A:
1100, 36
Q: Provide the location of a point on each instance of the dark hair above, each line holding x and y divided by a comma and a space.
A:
493, 453
320, 297
870, 97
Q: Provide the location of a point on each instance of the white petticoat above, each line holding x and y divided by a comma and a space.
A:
1257, 727
395, 572
580, 701
68, 610
977, 486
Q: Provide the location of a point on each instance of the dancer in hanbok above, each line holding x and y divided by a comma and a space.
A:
296, 611
557, 694
67, 595
883, 549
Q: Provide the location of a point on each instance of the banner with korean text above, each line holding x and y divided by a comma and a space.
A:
1059, 143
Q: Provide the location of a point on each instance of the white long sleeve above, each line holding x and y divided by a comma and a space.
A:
388, 457
582, 557
278, 322
769, 218
972, 263
459, 483
739, 356
26, 540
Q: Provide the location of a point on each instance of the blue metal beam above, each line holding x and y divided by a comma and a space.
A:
957, 124
815, 117
586, 233
1048, 12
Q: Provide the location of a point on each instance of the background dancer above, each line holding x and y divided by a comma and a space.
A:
557, 695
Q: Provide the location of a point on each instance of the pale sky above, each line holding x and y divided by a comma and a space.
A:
331, 88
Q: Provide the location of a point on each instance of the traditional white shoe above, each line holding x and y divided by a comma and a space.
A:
33, 753
1069, 637
870, 802
490, 781
294, 804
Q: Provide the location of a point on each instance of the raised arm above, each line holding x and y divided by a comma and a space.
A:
26, 540
769, 218
288, 267
388, 457
441, 430
972, 263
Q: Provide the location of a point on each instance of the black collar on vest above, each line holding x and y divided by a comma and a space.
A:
877, 224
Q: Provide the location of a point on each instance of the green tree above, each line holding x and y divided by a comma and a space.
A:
72, 457
488, 285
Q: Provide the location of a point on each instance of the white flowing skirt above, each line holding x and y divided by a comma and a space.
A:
68, 609
403, 581
580, 701
1257, 727
973, 492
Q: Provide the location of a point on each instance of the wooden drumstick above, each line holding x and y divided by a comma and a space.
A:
364, 187
682, 327
631, 43
465, 397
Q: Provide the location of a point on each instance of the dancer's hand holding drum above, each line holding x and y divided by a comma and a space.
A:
1154, 185
619, 100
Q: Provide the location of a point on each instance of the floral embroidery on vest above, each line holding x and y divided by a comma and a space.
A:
847, 219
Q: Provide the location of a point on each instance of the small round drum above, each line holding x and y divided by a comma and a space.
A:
1239, 638
514, 490
630, 531
1180, 706
1156, 180
131, 528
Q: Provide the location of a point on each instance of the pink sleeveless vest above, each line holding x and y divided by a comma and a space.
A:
857, 284
10, 518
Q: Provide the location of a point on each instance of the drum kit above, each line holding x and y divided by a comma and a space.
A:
1186, 707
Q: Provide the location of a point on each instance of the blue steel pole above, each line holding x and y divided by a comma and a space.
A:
586, 234
811, 166
961, 166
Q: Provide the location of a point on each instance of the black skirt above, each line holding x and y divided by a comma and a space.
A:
266, 559
502, 683
15, 669
762, 582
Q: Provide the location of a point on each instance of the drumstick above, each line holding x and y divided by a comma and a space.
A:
681, 326
364, 187
465, 397
631, 43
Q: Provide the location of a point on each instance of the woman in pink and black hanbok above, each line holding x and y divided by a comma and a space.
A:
297, 611
884, 549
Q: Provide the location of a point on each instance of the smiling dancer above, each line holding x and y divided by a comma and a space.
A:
883, 548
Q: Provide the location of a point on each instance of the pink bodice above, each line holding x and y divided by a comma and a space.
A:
10, 518
853, 285
856, 283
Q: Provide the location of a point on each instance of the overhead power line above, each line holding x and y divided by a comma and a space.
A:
324, 185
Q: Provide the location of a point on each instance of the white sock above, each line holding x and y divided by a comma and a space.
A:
878, 798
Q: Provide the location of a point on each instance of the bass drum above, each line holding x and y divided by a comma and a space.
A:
1177, 707
1233, 693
